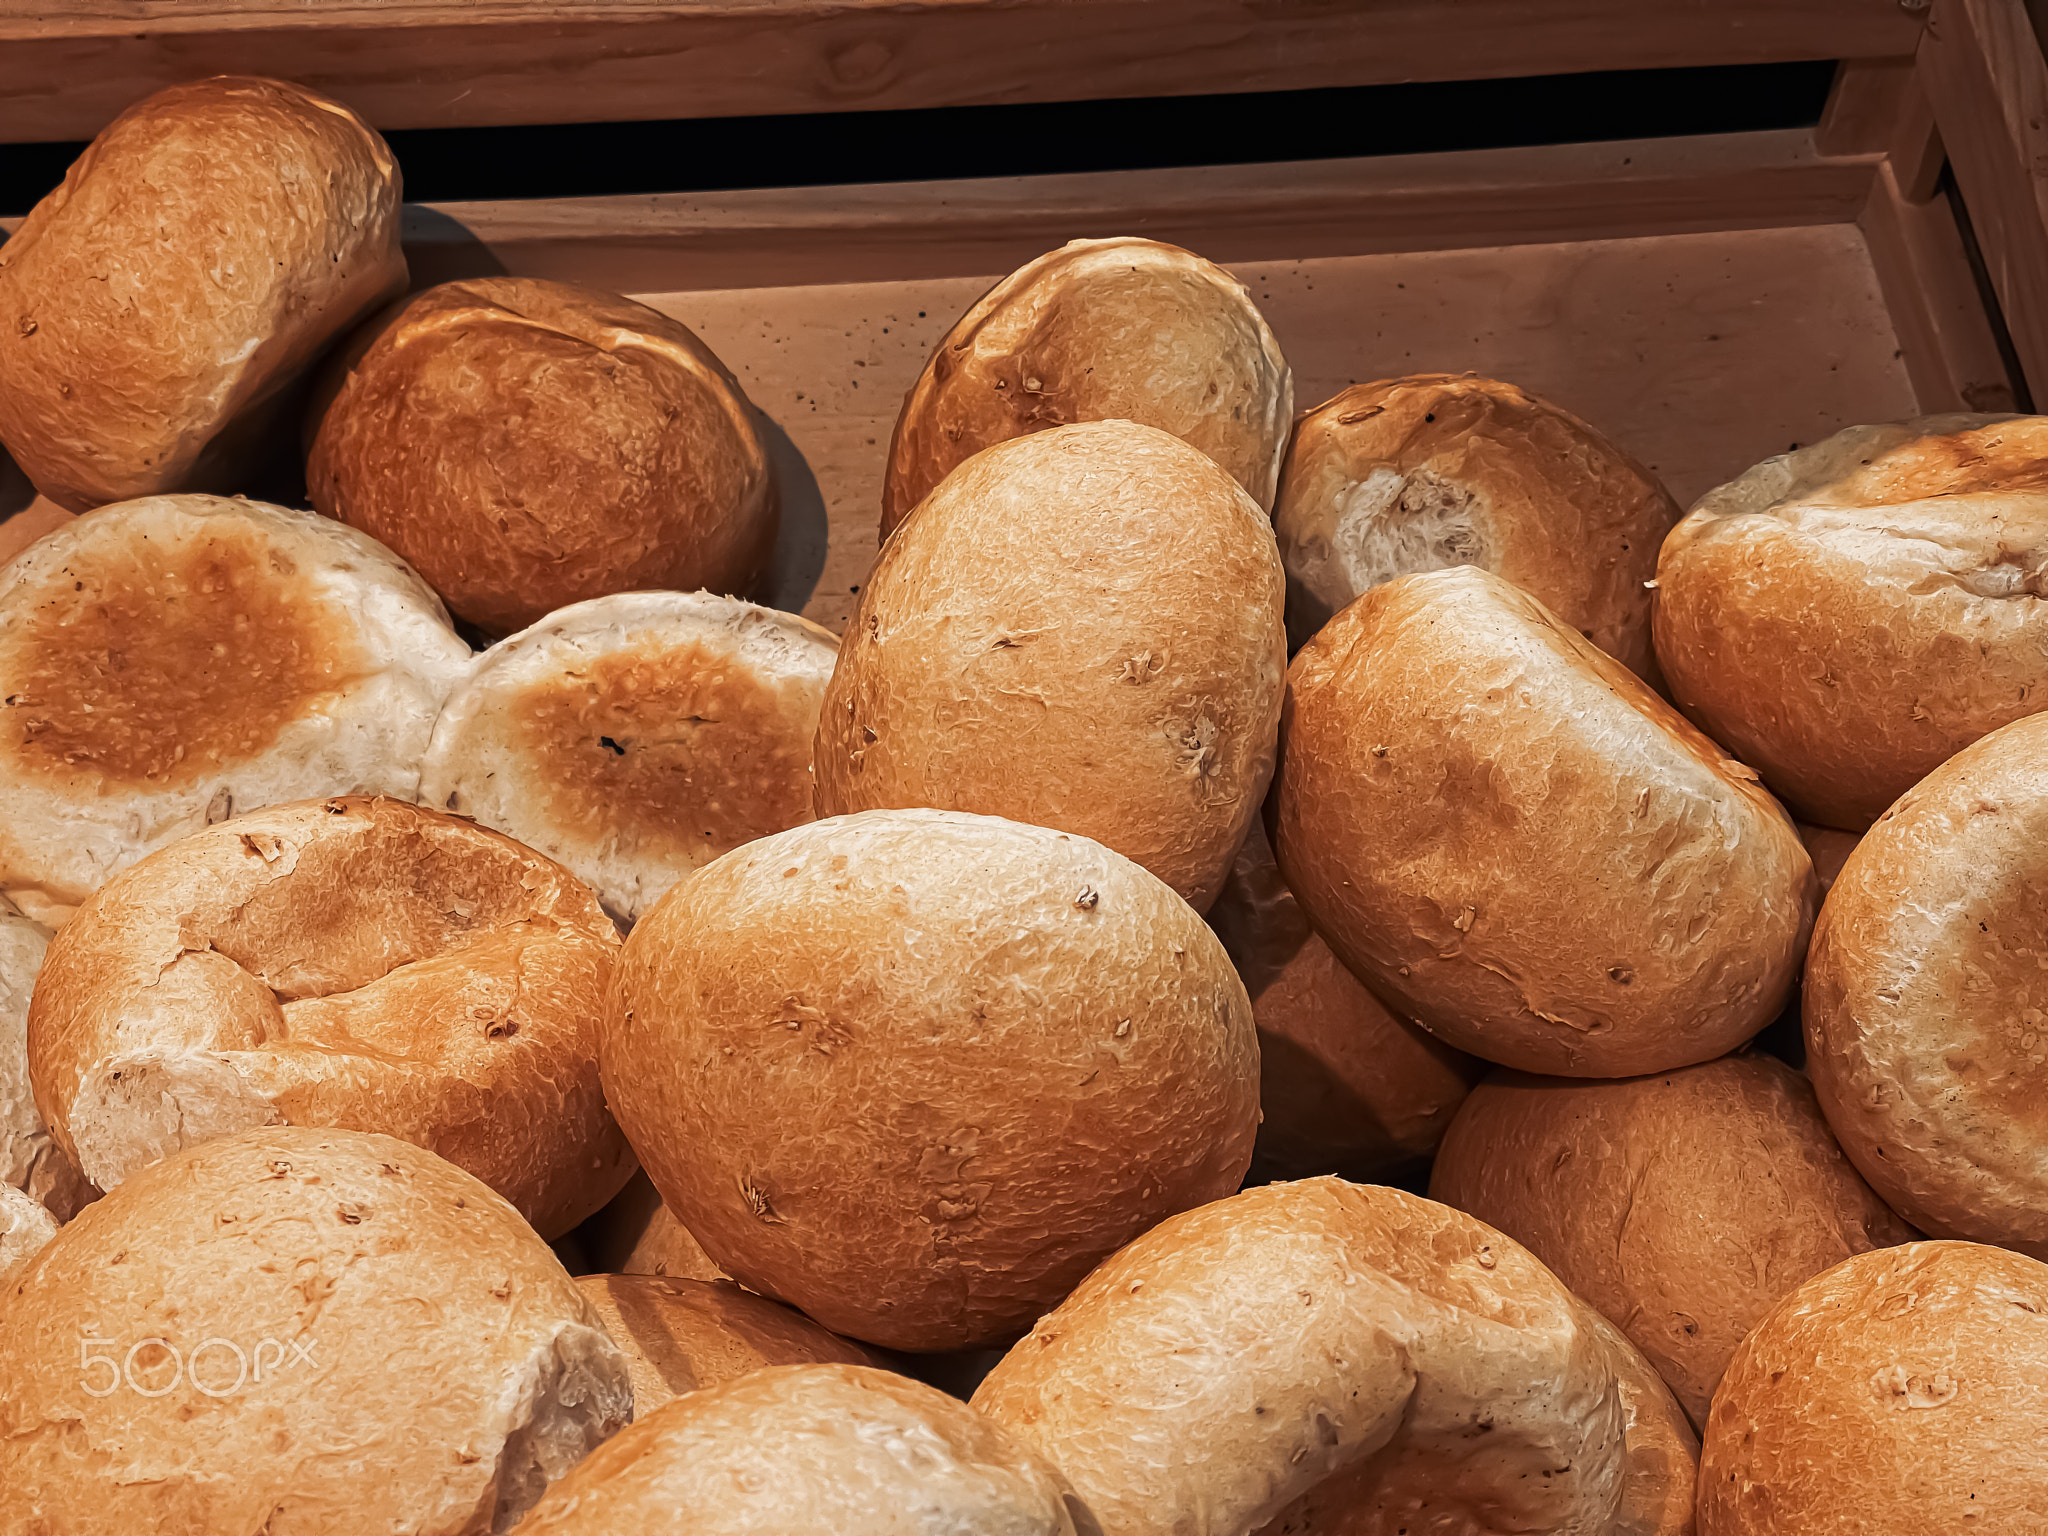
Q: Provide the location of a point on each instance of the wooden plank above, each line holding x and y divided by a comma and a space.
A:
1988, 82
68, 66
1950, 351
1864, 107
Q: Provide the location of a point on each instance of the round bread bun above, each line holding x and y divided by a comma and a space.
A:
1439, 469
30, 1158
637, 1235
530, 444
1926, 997
1322, 1356
169, 662
310, 1331
198, 257
1100, 330
1083, 631
684, 1335
916, 1072
636, 737
1851, 615
1901, 1393
1829, 848
349, 962
839, 1448
1683, 1206
25, 1225
1518, 845
1344, 1086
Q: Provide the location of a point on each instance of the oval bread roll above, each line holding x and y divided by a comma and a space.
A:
1901, 1393
1926, 997
1524, 849
1099, 330
1322, 1356
916, 1072
30, 1158
317, 1331
25, 1226
529, 444
199, 255
1683, 1206
1849, 616
169, 662
1083, 631
1437, 470
637, 737
346, 962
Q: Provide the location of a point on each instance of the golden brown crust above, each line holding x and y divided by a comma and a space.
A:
199, 255
1849, 616
1901, 1393
1326, 1357
1683, 1206
1829, 849
1926, 996
1082, 630
1099, 330
1435, 470
30, 1158
1523, 848
915, 1072
530, 444
637, 1235
1344, 1086
348, 962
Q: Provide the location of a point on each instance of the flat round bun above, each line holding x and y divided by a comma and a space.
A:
348, 962
25, 1225
840, 1448
637, 1235
1100, 330
685, 1335
916, 1072
1439, 469
1926, 997
1849, 616
1521, 847
1683, 1206
1082, 630
30, 1159
636, 737
1344, 1086
529, 444
199, 255
1900, 1393
310, 1331
169, 662
1321, 1356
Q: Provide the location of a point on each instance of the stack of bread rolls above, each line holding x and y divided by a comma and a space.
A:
499, 1029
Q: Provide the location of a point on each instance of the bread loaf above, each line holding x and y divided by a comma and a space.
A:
30, 1158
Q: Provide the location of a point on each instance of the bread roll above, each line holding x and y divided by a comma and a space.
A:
199, 255
684, 1335
916, 1072
837, 1448
30, 1159
530, 444
1344, 1086
1323, 1356
25, 1225
1439, 469
1850, 615
169, 662
637, 1235
346, 962
1082, 632
310, 1331
1099, 330
1829, 849
634, 738
1517, 844
1683, 1206
1899, 1394
1926, 997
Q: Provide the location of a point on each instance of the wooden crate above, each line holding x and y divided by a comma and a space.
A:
1707, 300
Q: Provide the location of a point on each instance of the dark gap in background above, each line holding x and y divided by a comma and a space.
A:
720, 154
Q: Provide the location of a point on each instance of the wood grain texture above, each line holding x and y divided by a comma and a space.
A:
1865, 104
67, 66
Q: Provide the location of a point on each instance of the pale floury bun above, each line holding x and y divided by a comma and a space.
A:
1099, 330
171, 662
25, 1225
30, 1158
636, 737
161, 302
